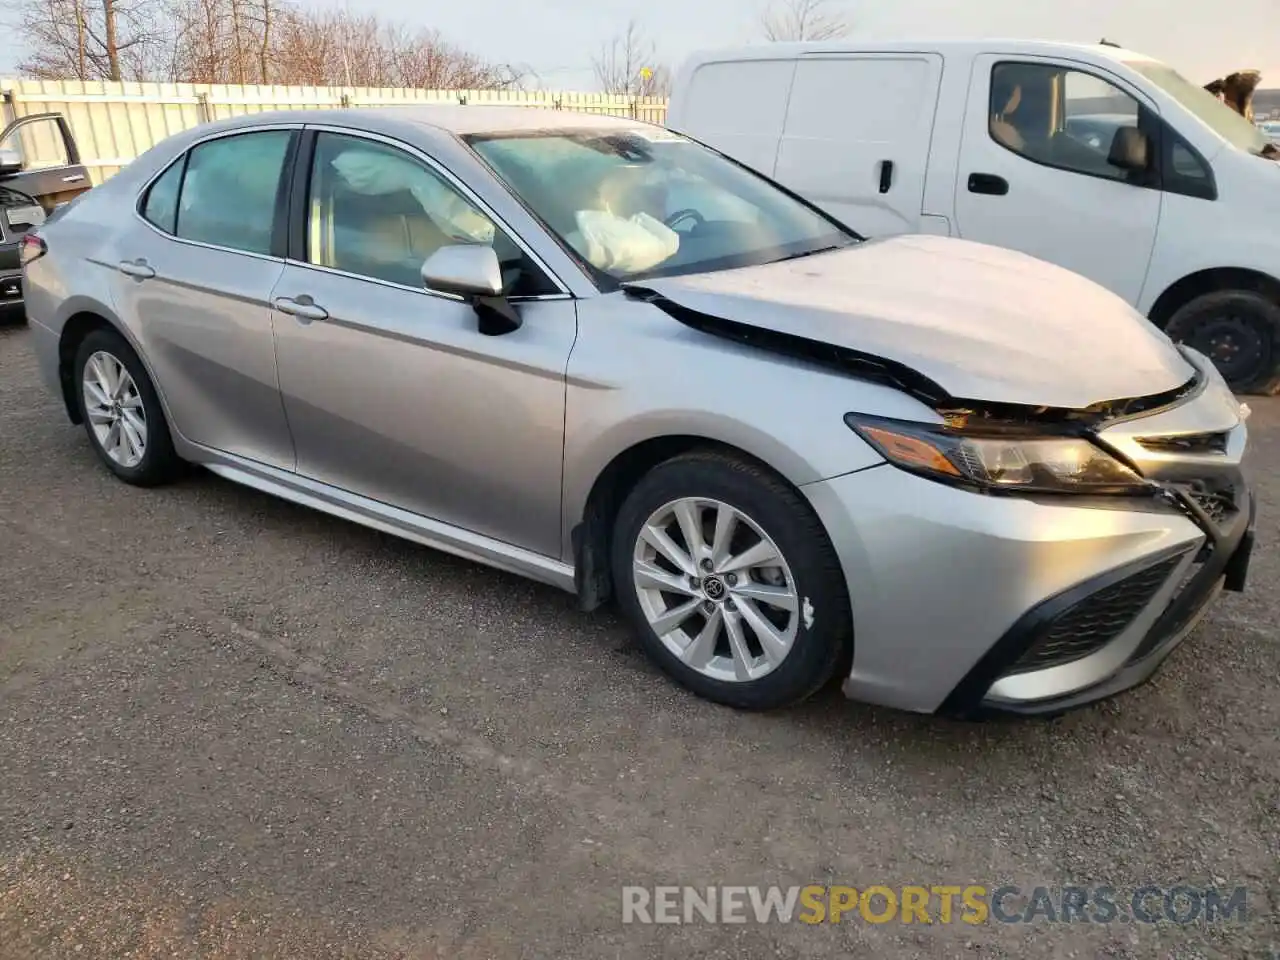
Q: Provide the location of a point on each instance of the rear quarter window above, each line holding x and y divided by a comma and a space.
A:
160, 206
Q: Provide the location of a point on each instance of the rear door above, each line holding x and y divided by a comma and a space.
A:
856, 137
197, 265
48, 158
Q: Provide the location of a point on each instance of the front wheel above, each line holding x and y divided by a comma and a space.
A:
1238, 330
731, 582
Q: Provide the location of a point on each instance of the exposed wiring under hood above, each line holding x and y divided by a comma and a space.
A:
957, 411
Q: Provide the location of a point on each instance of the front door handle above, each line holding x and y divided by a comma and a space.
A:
989, 184
138, 269
304, 308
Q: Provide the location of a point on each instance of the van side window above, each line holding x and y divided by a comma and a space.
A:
1184, 171
1060, 117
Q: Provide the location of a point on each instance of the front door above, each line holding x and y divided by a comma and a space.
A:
391, 391
193, 282
1036, 175
39, 158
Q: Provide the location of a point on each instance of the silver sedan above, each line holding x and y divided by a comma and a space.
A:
601, 355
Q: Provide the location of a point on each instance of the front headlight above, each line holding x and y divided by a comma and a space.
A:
1009, 462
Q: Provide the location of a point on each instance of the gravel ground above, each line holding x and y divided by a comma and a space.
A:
231, 728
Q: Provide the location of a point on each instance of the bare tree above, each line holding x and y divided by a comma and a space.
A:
628, 65
240, 41
804, 20
91, 39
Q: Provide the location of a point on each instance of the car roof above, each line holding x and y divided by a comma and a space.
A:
455, 119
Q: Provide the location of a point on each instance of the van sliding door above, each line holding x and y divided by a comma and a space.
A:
856, 138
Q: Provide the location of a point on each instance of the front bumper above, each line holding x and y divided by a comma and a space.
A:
1182, 588
956, 595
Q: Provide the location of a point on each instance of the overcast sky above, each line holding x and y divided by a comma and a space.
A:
1203, 39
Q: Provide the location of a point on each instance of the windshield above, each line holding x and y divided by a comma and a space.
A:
1224, 121
647, 202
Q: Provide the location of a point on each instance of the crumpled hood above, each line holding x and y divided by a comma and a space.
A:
982, 322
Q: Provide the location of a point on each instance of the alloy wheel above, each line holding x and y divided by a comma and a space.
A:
115, 410
715, 589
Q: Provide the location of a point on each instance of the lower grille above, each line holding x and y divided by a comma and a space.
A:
1096, 620
1220, 506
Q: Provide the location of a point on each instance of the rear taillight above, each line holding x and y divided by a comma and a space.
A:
33, 248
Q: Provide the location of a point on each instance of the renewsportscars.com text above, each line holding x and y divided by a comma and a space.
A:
973, 904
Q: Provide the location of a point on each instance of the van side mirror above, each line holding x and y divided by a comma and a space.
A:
1130, 150
472, 271
10, 161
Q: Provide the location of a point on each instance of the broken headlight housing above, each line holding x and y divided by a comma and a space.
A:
1000, 461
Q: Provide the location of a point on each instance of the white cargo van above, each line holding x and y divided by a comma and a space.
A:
1095, 158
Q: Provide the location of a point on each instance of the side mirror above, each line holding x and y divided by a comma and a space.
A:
1130, 150
466, 269
10, 161
472, 271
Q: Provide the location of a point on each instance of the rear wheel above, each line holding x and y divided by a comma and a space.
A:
731, 582
1238, 330
121, 411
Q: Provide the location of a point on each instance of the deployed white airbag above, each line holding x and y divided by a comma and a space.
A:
631, 245
374, 173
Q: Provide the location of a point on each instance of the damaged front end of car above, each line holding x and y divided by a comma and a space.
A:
1181, 446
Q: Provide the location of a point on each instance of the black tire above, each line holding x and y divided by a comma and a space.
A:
1239, 330
159, 463
824, 624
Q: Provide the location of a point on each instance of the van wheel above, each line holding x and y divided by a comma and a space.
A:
731, 582
1238, 330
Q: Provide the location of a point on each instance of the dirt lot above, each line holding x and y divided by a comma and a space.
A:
232, 728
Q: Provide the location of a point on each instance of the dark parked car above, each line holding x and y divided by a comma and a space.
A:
31, 189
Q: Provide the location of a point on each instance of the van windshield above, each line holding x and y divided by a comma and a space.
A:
1224, 121
646, 202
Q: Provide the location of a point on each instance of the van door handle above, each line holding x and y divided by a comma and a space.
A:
304, 308
886, 175
74, 178
138, 269
988, 183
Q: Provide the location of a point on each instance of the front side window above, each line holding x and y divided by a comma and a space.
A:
229, 192
634, 203
1060, 117
375, 211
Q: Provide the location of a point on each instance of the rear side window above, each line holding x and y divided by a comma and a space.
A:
161, 206
230, 188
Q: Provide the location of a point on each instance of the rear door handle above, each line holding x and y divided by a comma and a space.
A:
138, 269
304, 308
988, 183
886, 175
74, 178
